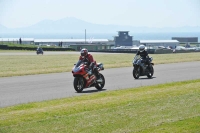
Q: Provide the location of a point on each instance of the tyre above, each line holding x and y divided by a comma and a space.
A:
100, 85
150, 74
136, 72
79, 84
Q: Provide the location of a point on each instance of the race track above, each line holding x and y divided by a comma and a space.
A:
24, 89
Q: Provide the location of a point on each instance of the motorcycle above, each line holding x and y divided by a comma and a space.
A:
84, 79
39, 51
141, 68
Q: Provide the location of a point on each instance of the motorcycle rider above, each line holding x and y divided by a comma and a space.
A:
39, 50
143, 54
86, 57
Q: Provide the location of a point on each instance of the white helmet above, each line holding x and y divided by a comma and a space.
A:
84, 52
141, 48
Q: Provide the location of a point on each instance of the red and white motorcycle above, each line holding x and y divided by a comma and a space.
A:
82, 79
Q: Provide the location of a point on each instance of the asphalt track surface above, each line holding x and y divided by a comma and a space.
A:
32, 88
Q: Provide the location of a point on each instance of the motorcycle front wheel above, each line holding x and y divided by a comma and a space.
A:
136, 72
79, 84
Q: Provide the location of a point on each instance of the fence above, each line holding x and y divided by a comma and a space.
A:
6, 47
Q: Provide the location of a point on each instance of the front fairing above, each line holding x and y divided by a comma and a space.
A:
80, 62
136, 61
79, 68
76, 69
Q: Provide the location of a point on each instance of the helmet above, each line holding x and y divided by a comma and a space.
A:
84, 52
141, 48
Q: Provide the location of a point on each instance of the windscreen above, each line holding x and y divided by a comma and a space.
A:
79, 63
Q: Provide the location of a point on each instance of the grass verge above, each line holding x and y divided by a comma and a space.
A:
17, 65
172, 107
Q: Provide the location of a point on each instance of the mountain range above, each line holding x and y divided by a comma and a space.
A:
74, 25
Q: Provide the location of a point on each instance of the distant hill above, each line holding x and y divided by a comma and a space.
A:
2, 28
74, 25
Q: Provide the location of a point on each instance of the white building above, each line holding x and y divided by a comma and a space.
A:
67, 42
156, 43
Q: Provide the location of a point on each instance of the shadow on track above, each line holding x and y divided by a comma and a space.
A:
92, 91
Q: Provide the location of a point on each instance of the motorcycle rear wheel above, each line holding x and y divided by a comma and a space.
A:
99, 86
79, 84
149, 75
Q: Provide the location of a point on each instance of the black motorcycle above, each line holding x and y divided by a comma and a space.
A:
141, 68
39, 51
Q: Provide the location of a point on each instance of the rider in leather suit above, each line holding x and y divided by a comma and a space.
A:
144, 54
86, 57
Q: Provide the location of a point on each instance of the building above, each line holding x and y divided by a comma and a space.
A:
155, 43
136, 42
91, 47
123, 39
77, 44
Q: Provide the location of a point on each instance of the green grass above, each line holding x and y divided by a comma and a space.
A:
187, 126
17, 65
169, 108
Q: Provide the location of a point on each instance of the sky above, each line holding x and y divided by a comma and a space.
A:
148, 13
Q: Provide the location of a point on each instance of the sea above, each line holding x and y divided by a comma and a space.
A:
110, 36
